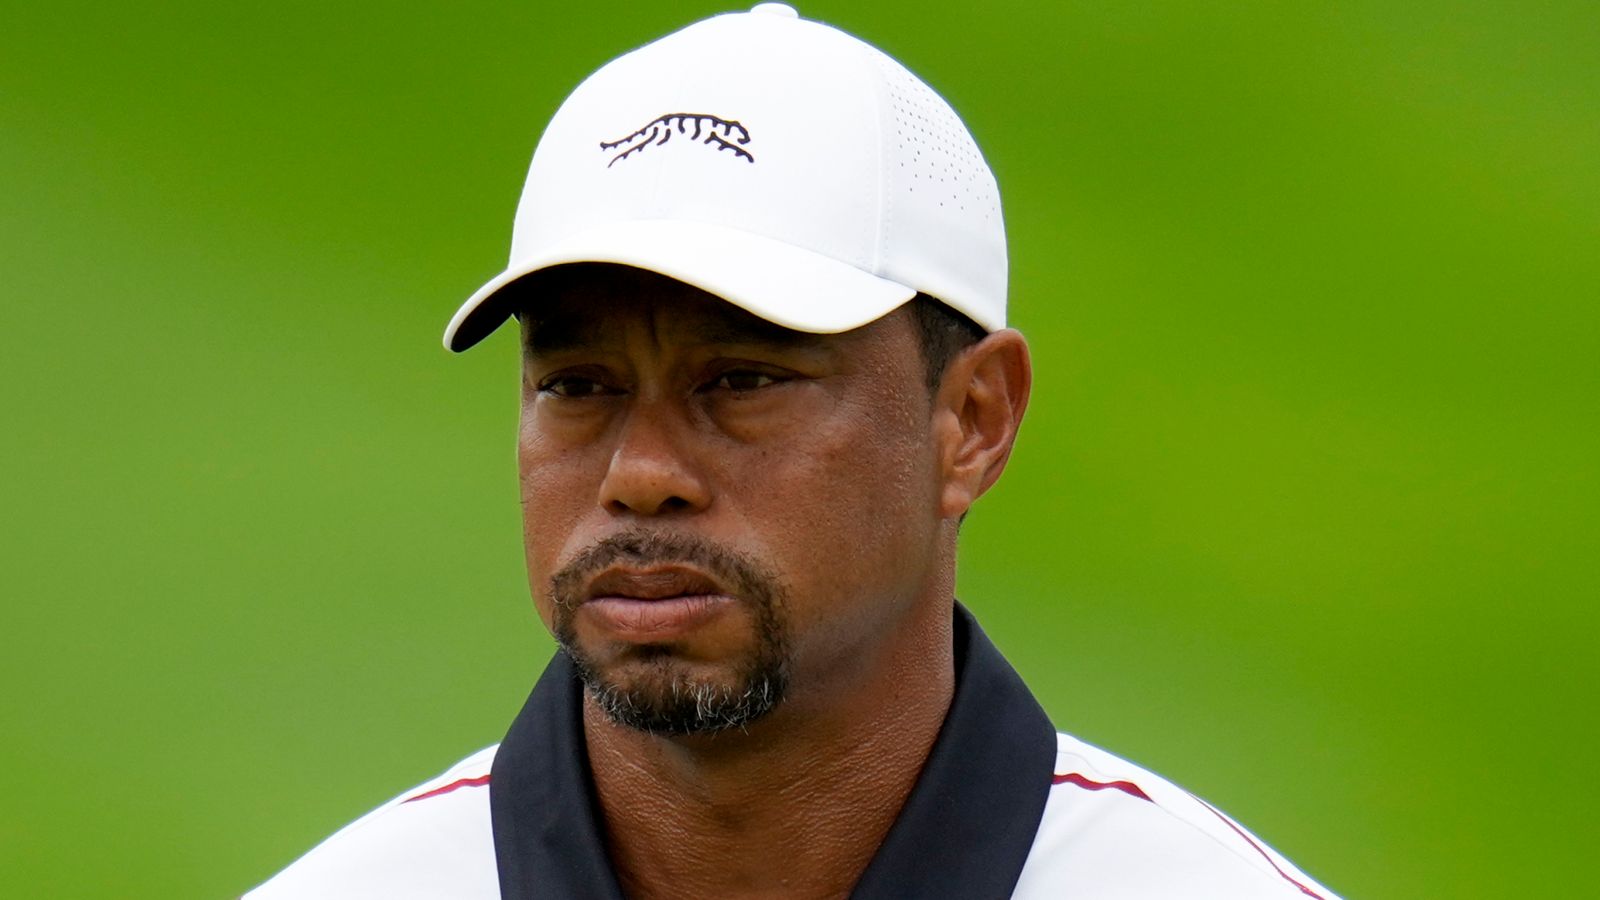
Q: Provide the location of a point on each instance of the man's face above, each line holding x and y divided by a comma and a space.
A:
719, 513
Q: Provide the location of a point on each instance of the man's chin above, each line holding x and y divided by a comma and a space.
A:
656, 692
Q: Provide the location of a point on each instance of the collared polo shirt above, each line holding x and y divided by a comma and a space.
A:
1005, 807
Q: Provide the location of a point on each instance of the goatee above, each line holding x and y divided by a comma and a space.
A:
667, 699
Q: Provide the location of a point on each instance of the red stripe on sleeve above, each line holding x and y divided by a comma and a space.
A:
1127, 787
480, 781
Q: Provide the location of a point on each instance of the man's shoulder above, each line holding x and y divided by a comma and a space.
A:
1112, 829
433, 841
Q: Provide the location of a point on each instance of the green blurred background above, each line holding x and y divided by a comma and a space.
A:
1303, 518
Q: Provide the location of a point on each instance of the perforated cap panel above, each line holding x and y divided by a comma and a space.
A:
943, 230
934, 147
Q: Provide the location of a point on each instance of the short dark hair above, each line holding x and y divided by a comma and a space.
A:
942, 334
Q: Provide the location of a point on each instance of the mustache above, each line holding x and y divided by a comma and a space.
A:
737, 572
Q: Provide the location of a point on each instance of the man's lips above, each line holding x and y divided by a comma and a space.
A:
653, 605
654, 583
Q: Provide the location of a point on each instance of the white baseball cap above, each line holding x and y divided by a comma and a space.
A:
781, 164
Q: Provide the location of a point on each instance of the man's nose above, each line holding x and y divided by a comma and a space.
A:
651, 471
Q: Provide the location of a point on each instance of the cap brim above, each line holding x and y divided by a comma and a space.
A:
784, 284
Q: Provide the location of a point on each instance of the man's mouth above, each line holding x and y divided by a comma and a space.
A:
652, 583
659, 604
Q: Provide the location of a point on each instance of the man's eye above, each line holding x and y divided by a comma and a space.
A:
743, 380
573, 386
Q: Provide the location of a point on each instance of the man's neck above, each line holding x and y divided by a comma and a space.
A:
796, 805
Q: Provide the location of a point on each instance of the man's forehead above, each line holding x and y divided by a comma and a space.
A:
594, 304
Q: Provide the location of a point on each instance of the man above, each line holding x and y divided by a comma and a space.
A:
760, 275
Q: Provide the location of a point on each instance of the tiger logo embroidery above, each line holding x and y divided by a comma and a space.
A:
722, 134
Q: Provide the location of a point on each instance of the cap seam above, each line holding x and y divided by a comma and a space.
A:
885, 203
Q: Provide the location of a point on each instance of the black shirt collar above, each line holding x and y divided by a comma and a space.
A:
964, 831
